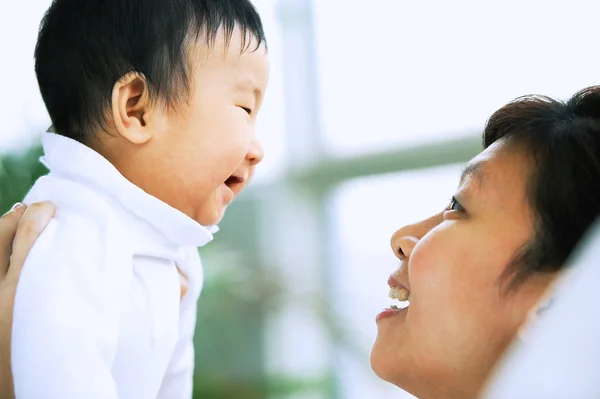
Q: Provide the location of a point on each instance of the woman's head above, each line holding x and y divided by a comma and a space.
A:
476, 269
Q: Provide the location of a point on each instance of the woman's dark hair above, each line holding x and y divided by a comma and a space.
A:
563, 141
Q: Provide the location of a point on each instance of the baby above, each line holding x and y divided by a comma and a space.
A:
153, 105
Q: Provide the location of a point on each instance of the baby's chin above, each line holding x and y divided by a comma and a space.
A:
210, 217
204, 210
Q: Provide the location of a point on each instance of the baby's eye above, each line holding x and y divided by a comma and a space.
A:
248, 110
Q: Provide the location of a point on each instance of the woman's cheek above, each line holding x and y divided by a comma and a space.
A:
430, 265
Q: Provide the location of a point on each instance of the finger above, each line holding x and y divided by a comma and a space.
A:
31, 225
8, 228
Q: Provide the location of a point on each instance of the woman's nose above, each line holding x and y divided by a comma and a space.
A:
406, 238
403, 244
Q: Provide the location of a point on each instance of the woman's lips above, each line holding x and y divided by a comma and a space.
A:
390, 312
397, 292
393, 283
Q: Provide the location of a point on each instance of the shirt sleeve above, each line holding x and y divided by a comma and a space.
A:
66, 317
178, 380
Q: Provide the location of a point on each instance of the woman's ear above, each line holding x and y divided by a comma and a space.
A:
131, 108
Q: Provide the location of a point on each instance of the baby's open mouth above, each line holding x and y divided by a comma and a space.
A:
234, 181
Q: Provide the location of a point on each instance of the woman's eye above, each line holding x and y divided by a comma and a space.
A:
455, 205
248, 110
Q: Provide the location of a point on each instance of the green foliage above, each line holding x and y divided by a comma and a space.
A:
18, 172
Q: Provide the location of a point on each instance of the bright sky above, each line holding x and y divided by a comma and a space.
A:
390, 73
22, 111
395, 72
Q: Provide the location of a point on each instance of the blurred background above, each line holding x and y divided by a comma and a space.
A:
372, 109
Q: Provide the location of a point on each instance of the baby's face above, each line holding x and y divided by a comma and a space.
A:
204, 153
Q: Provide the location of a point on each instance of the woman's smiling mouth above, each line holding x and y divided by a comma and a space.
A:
397, 292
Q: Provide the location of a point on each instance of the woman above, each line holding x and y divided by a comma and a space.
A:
473, 272
30, 224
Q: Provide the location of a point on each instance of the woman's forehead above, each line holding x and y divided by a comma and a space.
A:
500, 171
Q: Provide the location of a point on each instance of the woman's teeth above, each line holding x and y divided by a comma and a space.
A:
400, 294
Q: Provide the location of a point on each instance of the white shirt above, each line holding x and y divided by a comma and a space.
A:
97, 311
560, 356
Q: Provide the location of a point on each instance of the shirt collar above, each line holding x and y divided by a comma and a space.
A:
78, 162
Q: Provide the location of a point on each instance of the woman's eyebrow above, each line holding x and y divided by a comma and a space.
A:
475, 170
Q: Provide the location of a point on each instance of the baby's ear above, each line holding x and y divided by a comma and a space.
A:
130, 108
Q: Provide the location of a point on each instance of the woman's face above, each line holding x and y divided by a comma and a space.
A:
460, 320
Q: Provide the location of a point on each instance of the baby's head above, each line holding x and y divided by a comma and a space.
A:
167, 91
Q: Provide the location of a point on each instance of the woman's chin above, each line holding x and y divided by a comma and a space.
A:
385, 364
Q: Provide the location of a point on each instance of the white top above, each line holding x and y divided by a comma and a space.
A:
560, 356
97, 310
